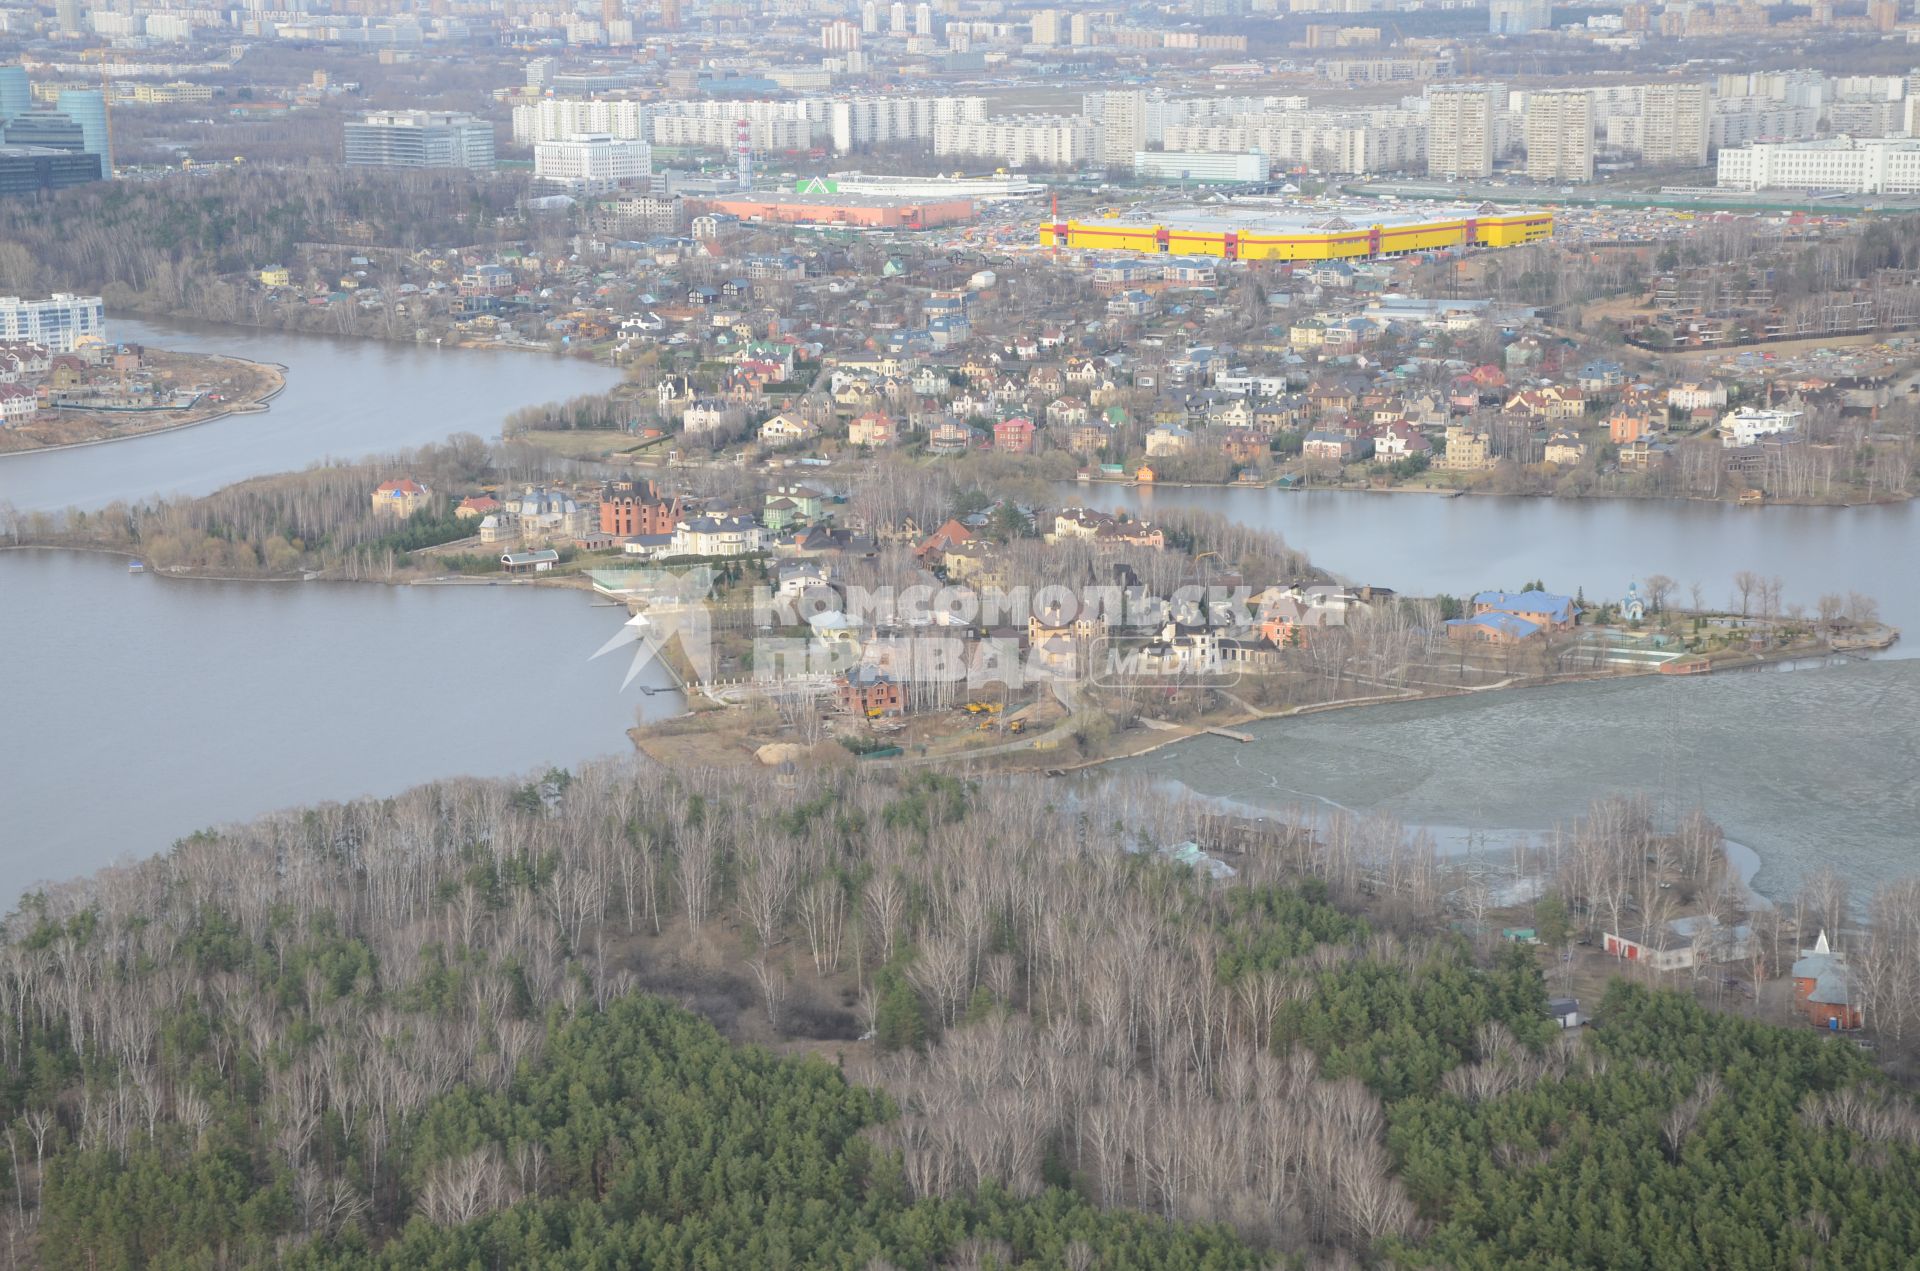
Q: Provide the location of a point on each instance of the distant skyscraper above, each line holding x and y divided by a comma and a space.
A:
1560, 135
897, 18
88, 108
923, 18
1519, 17
71, 15
16, 94
1046, 26
870, 18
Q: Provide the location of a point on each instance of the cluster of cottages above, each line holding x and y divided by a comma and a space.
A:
1152, 410
633, 516
1131, 633
94, 376
1823, 989
800, 346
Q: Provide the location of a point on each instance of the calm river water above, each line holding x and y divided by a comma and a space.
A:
344, 399
1426, 545
137, 709
134, 710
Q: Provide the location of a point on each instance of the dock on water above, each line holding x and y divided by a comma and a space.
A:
1230, 735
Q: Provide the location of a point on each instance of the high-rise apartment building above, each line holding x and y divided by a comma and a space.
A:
1460, 131
1046, 141
419, 139
59, 322
1559, 132
1119, 118
1673, 125
1046, 26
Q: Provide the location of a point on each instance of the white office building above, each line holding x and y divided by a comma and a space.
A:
60, 322
592, 165
1183, 167
1847, 165
419, 139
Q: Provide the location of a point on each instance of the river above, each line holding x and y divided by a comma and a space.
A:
1807, 768
134, 710
344, 399
1425, 544
139, 709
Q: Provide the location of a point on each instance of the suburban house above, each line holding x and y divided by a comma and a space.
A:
1013, 436
477, 506
1552, 402
1468, 449
1626, 426
630, 507
1339, 447
871, 429
717, 536
1823, 987
1565, 449
1689, 397
1400, 440
1746, 426
1682, 944
786, 430
400, 498
868, 692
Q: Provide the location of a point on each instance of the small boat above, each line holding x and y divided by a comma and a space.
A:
135, 567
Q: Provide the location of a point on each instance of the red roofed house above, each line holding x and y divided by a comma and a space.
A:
630, 508
477, 505
952, 534
1015, 436
400, 498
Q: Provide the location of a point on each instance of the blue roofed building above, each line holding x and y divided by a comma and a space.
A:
1494, 628
1542, 608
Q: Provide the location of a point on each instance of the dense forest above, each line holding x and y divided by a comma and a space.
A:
641, 1018
164, 245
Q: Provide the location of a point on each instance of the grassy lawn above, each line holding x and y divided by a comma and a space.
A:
577, 443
